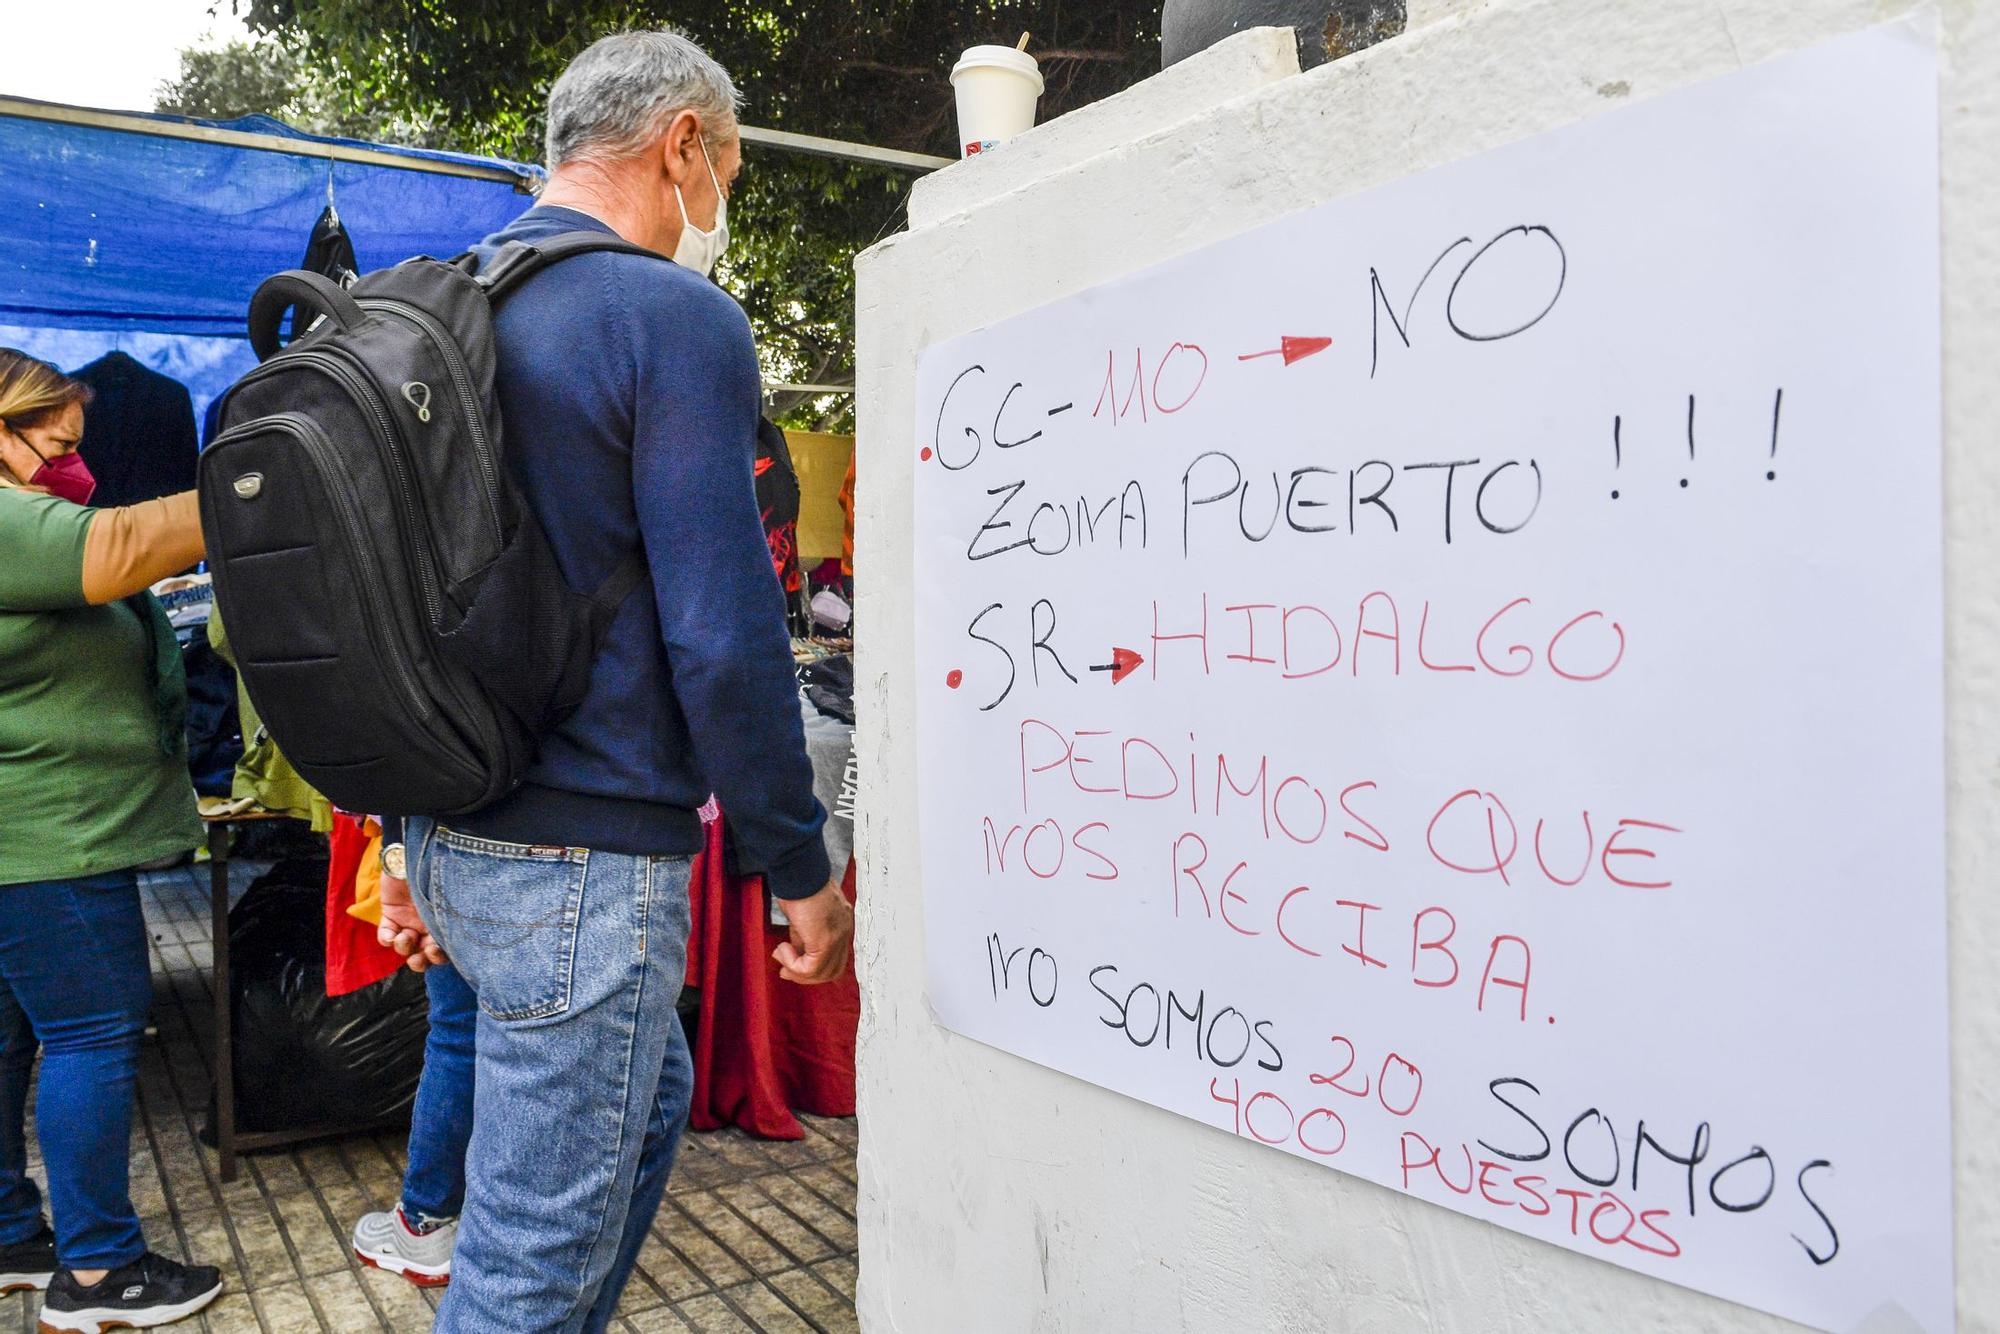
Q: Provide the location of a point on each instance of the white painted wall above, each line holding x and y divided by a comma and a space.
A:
999, 1196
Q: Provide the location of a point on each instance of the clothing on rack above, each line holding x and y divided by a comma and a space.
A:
138, 434
847, 528
329, 250
829, 684
214, 742
762, 1048
354, 958
778, 502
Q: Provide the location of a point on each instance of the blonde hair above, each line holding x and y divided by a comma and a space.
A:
31, 389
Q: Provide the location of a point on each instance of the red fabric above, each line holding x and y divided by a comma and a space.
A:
353, 957
847, 524
764, 1046
782, 536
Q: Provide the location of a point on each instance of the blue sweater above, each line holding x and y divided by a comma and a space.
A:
629, 398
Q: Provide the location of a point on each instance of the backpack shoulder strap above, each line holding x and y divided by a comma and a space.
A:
611, 594
500, 277
518, 261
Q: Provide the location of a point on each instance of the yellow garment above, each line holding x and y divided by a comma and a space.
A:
367, 905
821, 462
264, 774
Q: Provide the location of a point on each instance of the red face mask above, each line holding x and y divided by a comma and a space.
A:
65, 475
68, 476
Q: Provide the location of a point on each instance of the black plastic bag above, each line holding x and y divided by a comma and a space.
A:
304, 1060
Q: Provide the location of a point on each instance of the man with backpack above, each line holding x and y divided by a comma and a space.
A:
628, 388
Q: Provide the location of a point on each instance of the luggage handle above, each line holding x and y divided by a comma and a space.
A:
310, 293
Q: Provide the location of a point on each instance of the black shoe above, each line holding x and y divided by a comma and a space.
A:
152, 1290
30, 1263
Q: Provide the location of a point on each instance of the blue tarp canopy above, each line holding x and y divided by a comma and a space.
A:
149, 233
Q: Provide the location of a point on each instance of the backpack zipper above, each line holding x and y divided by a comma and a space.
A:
321, 448
428, 579
461, 379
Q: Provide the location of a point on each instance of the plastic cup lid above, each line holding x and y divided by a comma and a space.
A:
999, 57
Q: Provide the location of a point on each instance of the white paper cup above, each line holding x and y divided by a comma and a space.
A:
997, 89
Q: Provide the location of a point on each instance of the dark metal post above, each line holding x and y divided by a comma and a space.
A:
223, 1060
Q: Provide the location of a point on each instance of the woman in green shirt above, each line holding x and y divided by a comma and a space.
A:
93, 782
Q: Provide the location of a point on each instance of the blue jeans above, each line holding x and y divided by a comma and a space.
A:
74, 977
581, 1074
441, 1120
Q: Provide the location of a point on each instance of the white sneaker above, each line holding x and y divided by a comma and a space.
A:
387, 1241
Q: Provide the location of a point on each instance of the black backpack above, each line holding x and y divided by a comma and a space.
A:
397, 615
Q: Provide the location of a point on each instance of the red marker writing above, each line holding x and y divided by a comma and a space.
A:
1292, 349
1123, 663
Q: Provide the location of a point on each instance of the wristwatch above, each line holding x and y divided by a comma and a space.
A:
394, 861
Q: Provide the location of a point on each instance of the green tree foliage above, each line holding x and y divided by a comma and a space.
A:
268, 78
474, 74
240, 79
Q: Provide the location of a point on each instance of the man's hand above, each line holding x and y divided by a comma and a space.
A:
402, 930
822, 932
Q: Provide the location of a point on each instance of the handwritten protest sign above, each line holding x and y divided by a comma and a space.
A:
1448, 685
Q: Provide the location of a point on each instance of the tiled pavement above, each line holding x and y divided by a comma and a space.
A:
755, 1236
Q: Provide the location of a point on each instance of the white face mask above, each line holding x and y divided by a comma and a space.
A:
699, 250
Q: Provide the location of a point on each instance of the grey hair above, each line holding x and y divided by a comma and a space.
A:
620, 94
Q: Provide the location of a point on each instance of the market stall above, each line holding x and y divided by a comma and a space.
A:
132, 244
131, 252
148, 234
